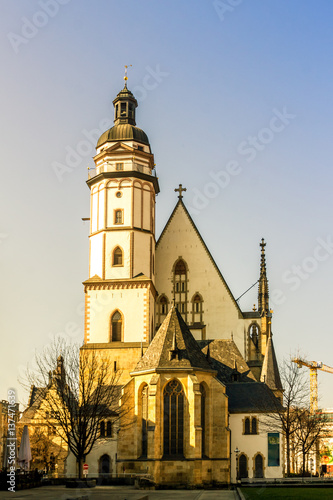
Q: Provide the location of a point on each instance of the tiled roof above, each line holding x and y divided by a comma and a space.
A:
173, 347
223, 354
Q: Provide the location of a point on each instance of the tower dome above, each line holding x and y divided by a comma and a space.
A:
124, 128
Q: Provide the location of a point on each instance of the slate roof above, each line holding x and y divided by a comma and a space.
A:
270, 370
223, 354
173, 347
251, 398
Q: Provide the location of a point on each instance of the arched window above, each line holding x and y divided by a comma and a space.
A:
162, 308
258, 466
180, 287
197, 309
164, 305
102, 429
144, 420
242, 466
173, 422
254, 335
247, 426
109, 429
116, 327
254, 426
203, 420
117, 258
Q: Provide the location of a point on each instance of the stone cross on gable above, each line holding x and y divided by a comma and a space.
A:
180, 190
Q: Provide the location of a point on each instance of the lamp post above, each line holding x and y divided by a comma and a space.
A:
237, 465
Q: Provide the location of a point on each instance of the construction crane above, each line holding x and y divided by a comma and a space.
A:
314, 367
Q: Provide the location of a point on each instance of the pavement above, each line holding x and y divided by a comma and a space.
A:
116, 493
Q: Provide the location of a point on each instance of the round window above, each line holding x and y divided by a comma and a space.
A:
119, 194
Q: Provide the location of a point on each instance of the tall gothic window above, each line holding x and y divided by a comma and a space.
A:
247, 426
173, 422
117, 259
203, 420
116, 327
254, 426
109, 429
102, 429
180, 287
197, 308
144, 421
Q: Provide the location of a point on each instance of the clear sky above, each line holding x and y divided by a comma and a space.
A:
236, 98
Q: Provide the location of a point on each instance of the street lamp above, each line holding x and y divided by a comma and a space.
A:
237, 465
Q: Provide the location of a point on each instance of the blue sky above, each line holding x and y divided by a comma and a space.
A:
212, 78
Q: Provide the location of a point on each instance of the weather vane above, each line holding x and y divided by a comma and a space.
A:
126, 77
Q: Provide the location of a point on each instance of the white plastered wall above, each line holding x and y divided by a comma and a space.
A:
251, 444
132, 305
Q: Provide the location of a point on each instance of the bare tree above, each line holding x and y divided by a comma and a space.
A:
282, 413
80, 390
310, 427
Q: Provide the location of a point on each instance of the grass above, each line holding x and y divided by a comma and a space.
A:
288, 493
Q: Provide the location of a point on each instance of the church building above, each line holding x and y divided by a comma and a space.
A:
194, 367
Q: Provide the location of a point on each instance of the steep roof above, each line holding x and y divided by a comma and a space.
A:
225, 357
270, 370
173, 347
251, 398
180, 205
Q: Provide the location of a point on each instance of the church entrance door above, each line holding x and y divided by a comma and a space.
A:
258, 464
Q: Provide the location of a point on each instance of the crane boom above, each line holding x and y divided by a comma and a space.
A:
314, 367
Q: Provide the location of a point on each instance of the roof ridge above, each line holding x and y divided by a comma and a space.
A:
180, 202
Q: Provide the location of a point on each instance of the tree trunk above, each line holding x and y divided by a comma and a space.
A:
304, 460
288, 454
80, 467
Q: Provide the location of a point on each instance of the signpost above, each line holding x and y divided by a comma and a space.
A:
85, 469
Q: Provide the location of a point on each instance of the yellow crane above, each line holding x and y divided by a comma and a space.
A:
314, 367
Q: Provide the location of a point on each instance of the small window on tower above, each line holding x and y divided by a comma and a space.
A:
118, 216
119, 166
123, 108
140, 148
117, 257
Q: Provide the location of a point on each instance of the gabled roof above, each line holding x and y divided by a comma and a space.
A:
173, 347
181, 204
270, 370
226, 359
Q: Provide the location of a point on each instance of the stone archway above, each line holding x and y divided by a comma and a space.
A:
258, 466
242, 464
104, 466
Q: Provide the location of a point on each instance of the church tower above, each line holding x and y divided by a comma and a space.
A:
120, 291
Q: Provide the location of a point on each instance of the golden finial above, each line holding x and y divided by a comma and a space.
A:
126, 77
254, 308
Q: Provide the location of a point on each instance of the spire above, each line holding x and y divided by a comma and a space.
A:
263, 294
270, 374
